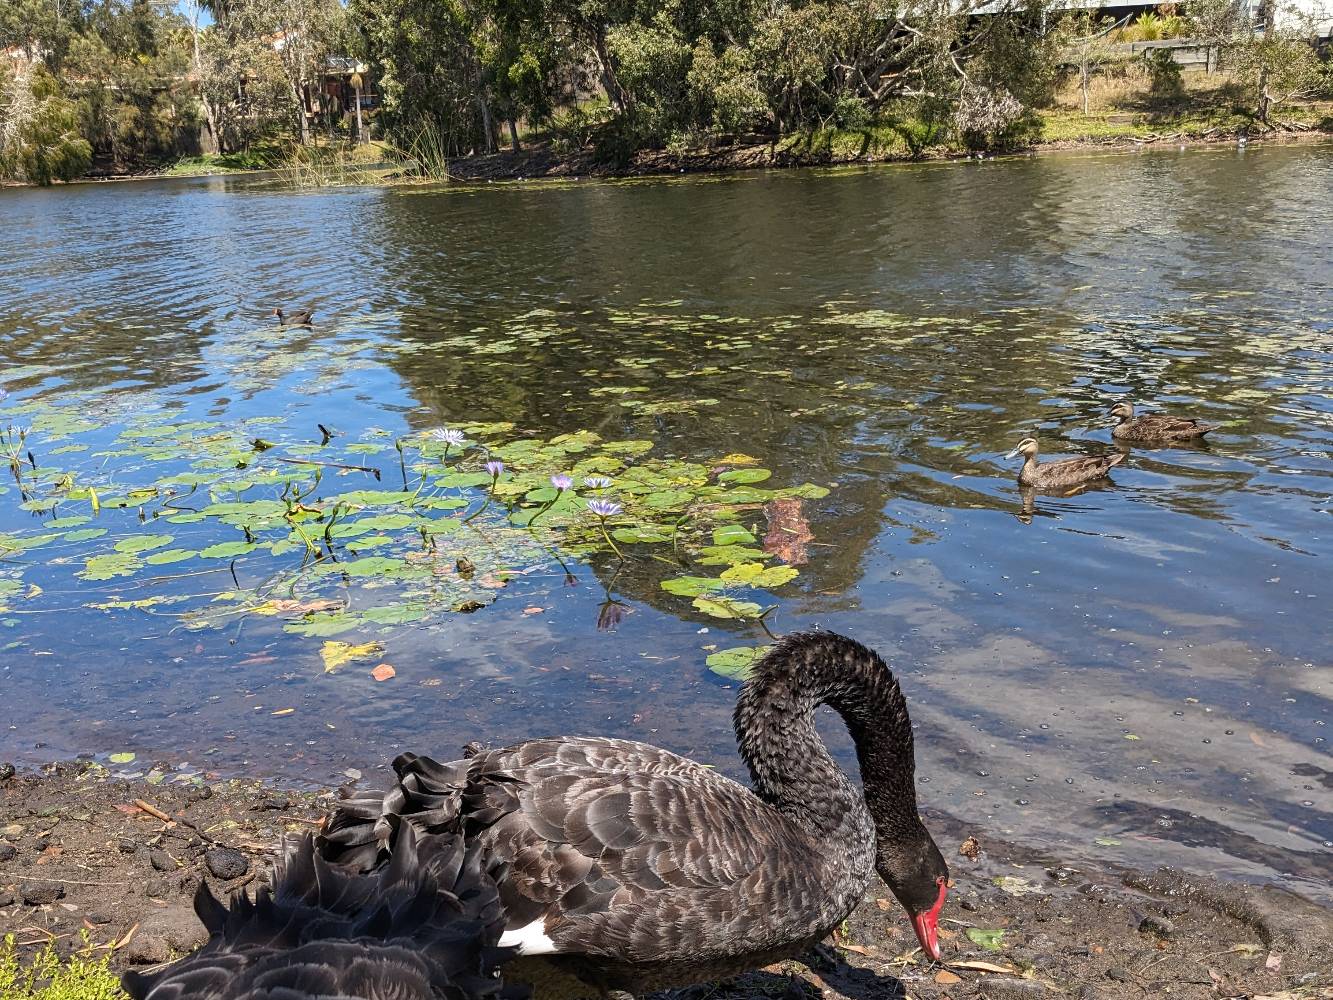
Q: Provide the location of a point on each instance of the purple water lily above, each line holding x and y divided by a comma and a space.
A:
495, 468
604, 508
562, 482
596, 482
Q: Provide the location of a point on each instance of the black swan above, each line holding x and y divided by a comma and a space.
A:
424, 927
1154, 427
302, 317
631, 868
1061, 471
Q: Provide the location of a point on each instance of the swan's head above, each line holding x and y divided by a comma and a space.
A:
914, 870
1027, 448
1122, 412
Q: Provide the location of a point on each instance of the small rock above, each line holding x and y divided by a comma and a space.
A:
1160, 926
126, 845
967, 904
41, 893
1175, 909
7, 852
162, 861
12, 832
157, 888
6, 897
172, 930
1119, 975
226, 863
1089, 993
97, 917
6, 771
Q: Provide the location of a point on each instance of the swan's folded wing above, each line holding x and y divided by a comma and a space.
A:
603, 826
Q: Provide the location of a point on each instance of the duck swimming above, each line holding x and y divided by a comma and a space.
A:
632, 868
1061, 471
423, 927
302, 317
1154, 426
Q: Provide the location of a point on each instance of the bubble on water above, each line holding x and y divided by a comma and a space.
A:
1022, 802
1206, 740
983, 774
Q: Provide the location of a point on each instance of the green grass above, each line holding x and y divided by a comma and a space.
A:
258, 158
48, 977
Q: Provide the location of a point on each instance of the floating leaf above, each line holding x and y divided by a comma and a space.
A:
732, 534
743, 476
227, 550
383, 672
108, 566
121, 758
735, 663
726, 607
168, 556
691, 586
336, 654
142, 543
753, 574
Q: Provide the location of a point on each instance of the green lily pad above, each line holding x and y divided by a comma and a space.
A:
743, 476
732, 534
727, 607
142, 543
691, 586
735, 663
227, 550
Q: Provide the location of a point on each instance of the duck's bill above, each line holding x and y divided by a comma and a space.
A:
927, 926
1012, 454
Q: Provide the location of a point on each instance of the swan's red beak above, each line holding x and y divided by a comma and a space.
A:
927, 924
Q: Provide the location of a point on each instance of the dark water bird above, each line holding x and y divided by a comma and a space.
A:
425, 926
1154, 426
1061, 471
631, 868
302, 317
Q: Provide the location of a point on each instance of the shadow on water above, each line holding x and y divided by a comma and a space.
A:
1079, 665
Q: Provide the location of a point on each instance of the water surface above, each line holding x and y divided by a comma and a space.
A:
1136, 674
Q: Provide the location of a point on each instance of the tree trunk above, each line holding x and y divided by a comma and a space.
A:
1084, 69
303, 126
487, 123
1270, 25
615, 93
360, 135
513, 135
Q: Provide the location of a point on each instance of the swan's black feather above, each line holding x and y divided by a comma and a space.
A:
424, 926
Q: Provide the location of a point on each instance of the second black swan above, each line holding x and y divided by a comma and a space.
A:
424, 927
631, 868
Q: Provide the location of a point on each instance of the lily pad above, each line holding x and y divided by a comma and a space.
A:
735, 663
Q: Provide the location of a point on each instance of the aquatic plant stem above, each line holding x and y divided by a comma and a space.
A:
605, 534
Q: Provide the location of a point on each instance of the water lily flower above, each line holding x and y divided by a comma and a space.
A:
562, 482
596, 482
604, 509
495, 468
448, 436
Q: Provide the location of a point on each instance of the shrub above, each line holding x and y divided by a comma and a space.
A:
47, 977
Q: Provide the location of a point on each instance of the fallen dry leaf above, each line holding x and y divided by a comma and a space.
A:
283, 711
291, 607
1257, 740
789, 533
1273, 963
534, 610
1004, 970
383, 672
970, 848
946, 978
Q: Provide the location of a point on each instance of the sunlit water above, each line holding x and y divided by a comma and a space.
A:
1136, 674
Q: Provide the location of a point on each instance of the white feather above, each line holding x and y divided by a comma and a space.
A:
531, 939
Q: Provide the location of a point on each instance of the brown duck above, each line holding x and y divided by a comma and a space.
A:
302, 317
631, 868
1062, 471
1155, 426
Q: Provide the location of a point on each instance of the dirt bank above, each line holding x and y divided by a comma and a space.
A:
121, 860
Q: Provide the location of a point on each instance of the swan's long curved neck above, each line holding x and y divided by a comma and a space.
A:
789, 764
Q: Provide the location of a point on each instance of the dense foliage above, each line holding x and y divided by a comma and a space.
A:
149, 82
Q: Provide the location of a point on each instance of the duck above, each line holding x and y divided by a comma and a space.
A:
1062, 471
423, 927
631, 868
302, 317
1154, 426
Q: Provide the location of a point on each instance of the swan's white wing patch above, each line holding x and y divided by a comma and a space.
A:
531, 939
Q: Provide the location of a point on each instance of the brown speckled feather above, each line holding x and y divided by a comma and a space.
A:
1160, 427
1067, 471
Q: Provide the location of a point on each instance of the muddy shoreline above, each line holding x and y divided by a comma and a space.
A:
84, 853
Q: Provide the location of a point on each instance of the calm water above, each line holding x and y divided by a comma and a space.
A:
1136, 674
